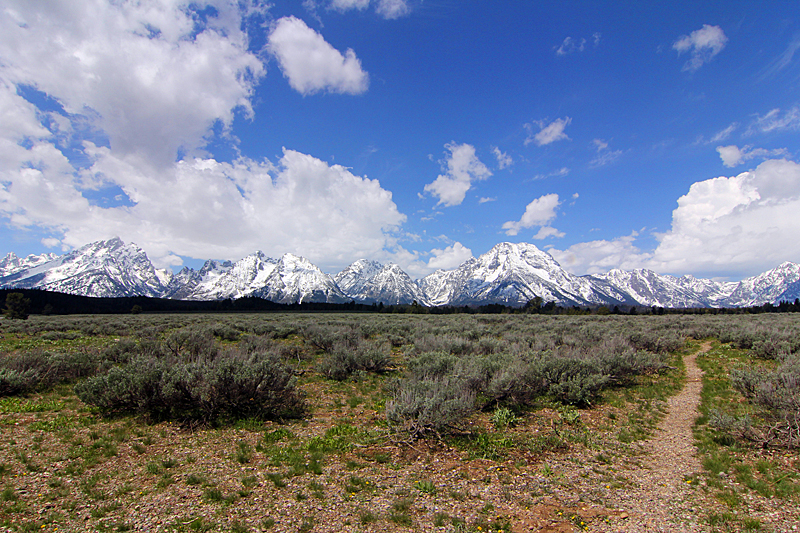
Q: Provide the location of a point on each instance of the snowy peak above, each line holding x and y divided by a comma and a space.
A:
768, 287
509, 274
353, 278
296, 279
648, 288
102, 269
220, 280
11, 264
371, 282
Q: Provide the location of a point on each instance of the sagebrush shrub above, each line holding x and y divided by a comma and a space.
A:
777, 395
346, 358
37, 369
430, 406
230, 386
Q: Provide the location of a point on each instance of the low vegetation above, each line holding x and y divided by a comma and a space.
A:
459, 422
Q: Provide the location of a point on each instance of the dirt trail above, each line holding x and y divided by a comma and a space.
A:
657, 501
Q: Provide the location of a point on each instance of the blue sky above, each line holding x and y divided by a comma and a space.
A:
612, 134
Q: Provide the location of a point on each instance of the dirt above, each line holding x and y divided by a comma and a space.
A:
660, 496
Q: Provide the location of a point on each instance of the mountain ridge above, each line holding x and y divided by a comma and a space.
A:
509, 274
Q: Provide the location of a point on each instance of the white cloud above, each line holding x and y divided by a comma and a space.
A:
148, 81
600, 256
503, 159
733, 155
537, 213
724, 134
782, 61
604, 158
775, 121
311, 64
737, 223
740, 225
596, 36
345, 5
392, 9
570, 45
389, 9
462, 168
561, 172
702, 45
450, 257
203, 208
545, 232
148, 74
548, 133
604, 155
486, 199
412, 262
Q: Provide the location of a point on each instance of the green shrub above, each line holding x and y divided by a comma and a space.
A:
421, 407
345, 358
210, 390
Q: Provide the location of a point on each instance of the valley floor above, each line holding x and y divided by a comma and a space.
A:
630, 463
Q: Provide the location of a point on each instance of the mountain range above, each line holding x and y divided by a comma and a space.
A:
508, 274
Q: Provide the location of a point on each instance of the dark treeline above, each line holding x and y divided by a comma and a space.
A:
42, 302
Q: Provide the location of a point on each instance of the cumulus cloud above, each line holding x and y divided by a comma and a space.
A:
776, 121
727, 225
201, 207
739, 222
414, 264
548, 133
148, 75
148, 81
450, 257
545, 232
596, 257
733, 155
503, 159
311, 64
537, 213
462, 167
702, 45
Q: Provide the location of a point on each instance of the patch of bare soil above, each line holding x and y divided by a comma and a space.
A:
658, 498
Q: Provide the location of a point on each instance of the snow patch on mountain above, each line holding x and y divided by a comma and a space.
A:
102, 269
371, 282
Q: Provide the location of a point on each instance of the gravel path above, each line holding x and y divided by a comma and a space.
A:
658, 497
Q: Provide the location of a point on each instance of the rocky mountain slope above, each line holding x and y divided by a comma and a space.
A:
509, 274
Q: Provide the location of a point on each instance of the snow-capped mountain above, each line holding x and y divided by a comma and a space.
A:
11, 264
509, 274
646, 287
767, 287
512, 274
103, 269
296, 279
219, 280
369, 282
